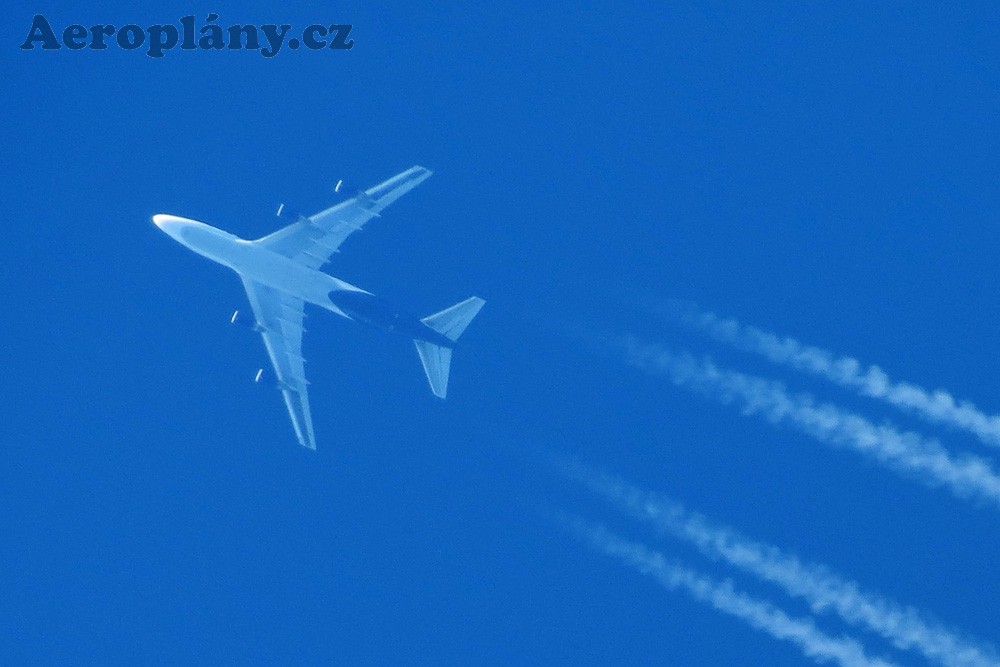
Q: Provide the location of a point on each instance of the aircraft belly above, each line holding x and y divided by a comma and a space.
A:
286, 275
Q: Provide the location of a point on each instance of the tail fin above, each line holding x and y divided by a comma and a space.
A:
437, 361
450, 322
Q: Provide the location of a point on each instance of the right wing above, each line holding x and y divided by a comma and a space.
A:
311, 241
279, 321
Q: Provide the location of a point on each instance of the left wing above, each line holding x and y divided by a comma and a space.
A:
279, 321
311, 241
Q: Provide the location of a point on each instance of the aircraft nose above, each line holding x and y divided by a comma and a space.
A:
170, 224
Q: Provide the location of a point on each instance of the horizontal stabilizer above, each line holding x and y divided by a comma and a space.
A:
437, 362
451, 322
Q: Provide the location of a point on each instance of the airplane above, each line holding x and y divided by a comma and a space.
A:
281, 274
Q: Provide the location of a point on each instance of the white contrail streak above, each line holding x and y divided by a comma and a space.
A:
966, 476
937, 406
824, 591
722, 596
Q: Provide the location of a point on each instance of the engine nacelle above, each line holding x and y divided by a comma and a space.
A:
244, 321
288, 213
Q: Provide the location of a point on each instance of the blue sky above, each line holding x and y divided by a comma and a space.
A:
824, 172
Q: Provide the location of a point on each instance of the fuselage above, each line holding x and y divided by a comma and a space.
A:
259, 264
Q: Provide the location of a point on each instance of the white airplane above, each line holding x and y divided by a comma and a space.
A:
280, 273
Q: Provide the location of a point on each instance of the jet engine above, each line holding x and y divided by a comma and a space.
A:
244, 321
288, 213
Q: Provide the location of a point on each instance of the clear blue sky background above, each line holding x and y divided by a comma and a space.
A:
825, 171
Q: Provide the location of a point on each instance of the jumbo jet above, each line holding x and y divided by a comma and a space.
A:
280, 273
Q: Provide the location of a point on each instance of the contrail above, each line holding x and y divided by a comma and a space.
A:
722, 596
822, 589
966, 476
937, 406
